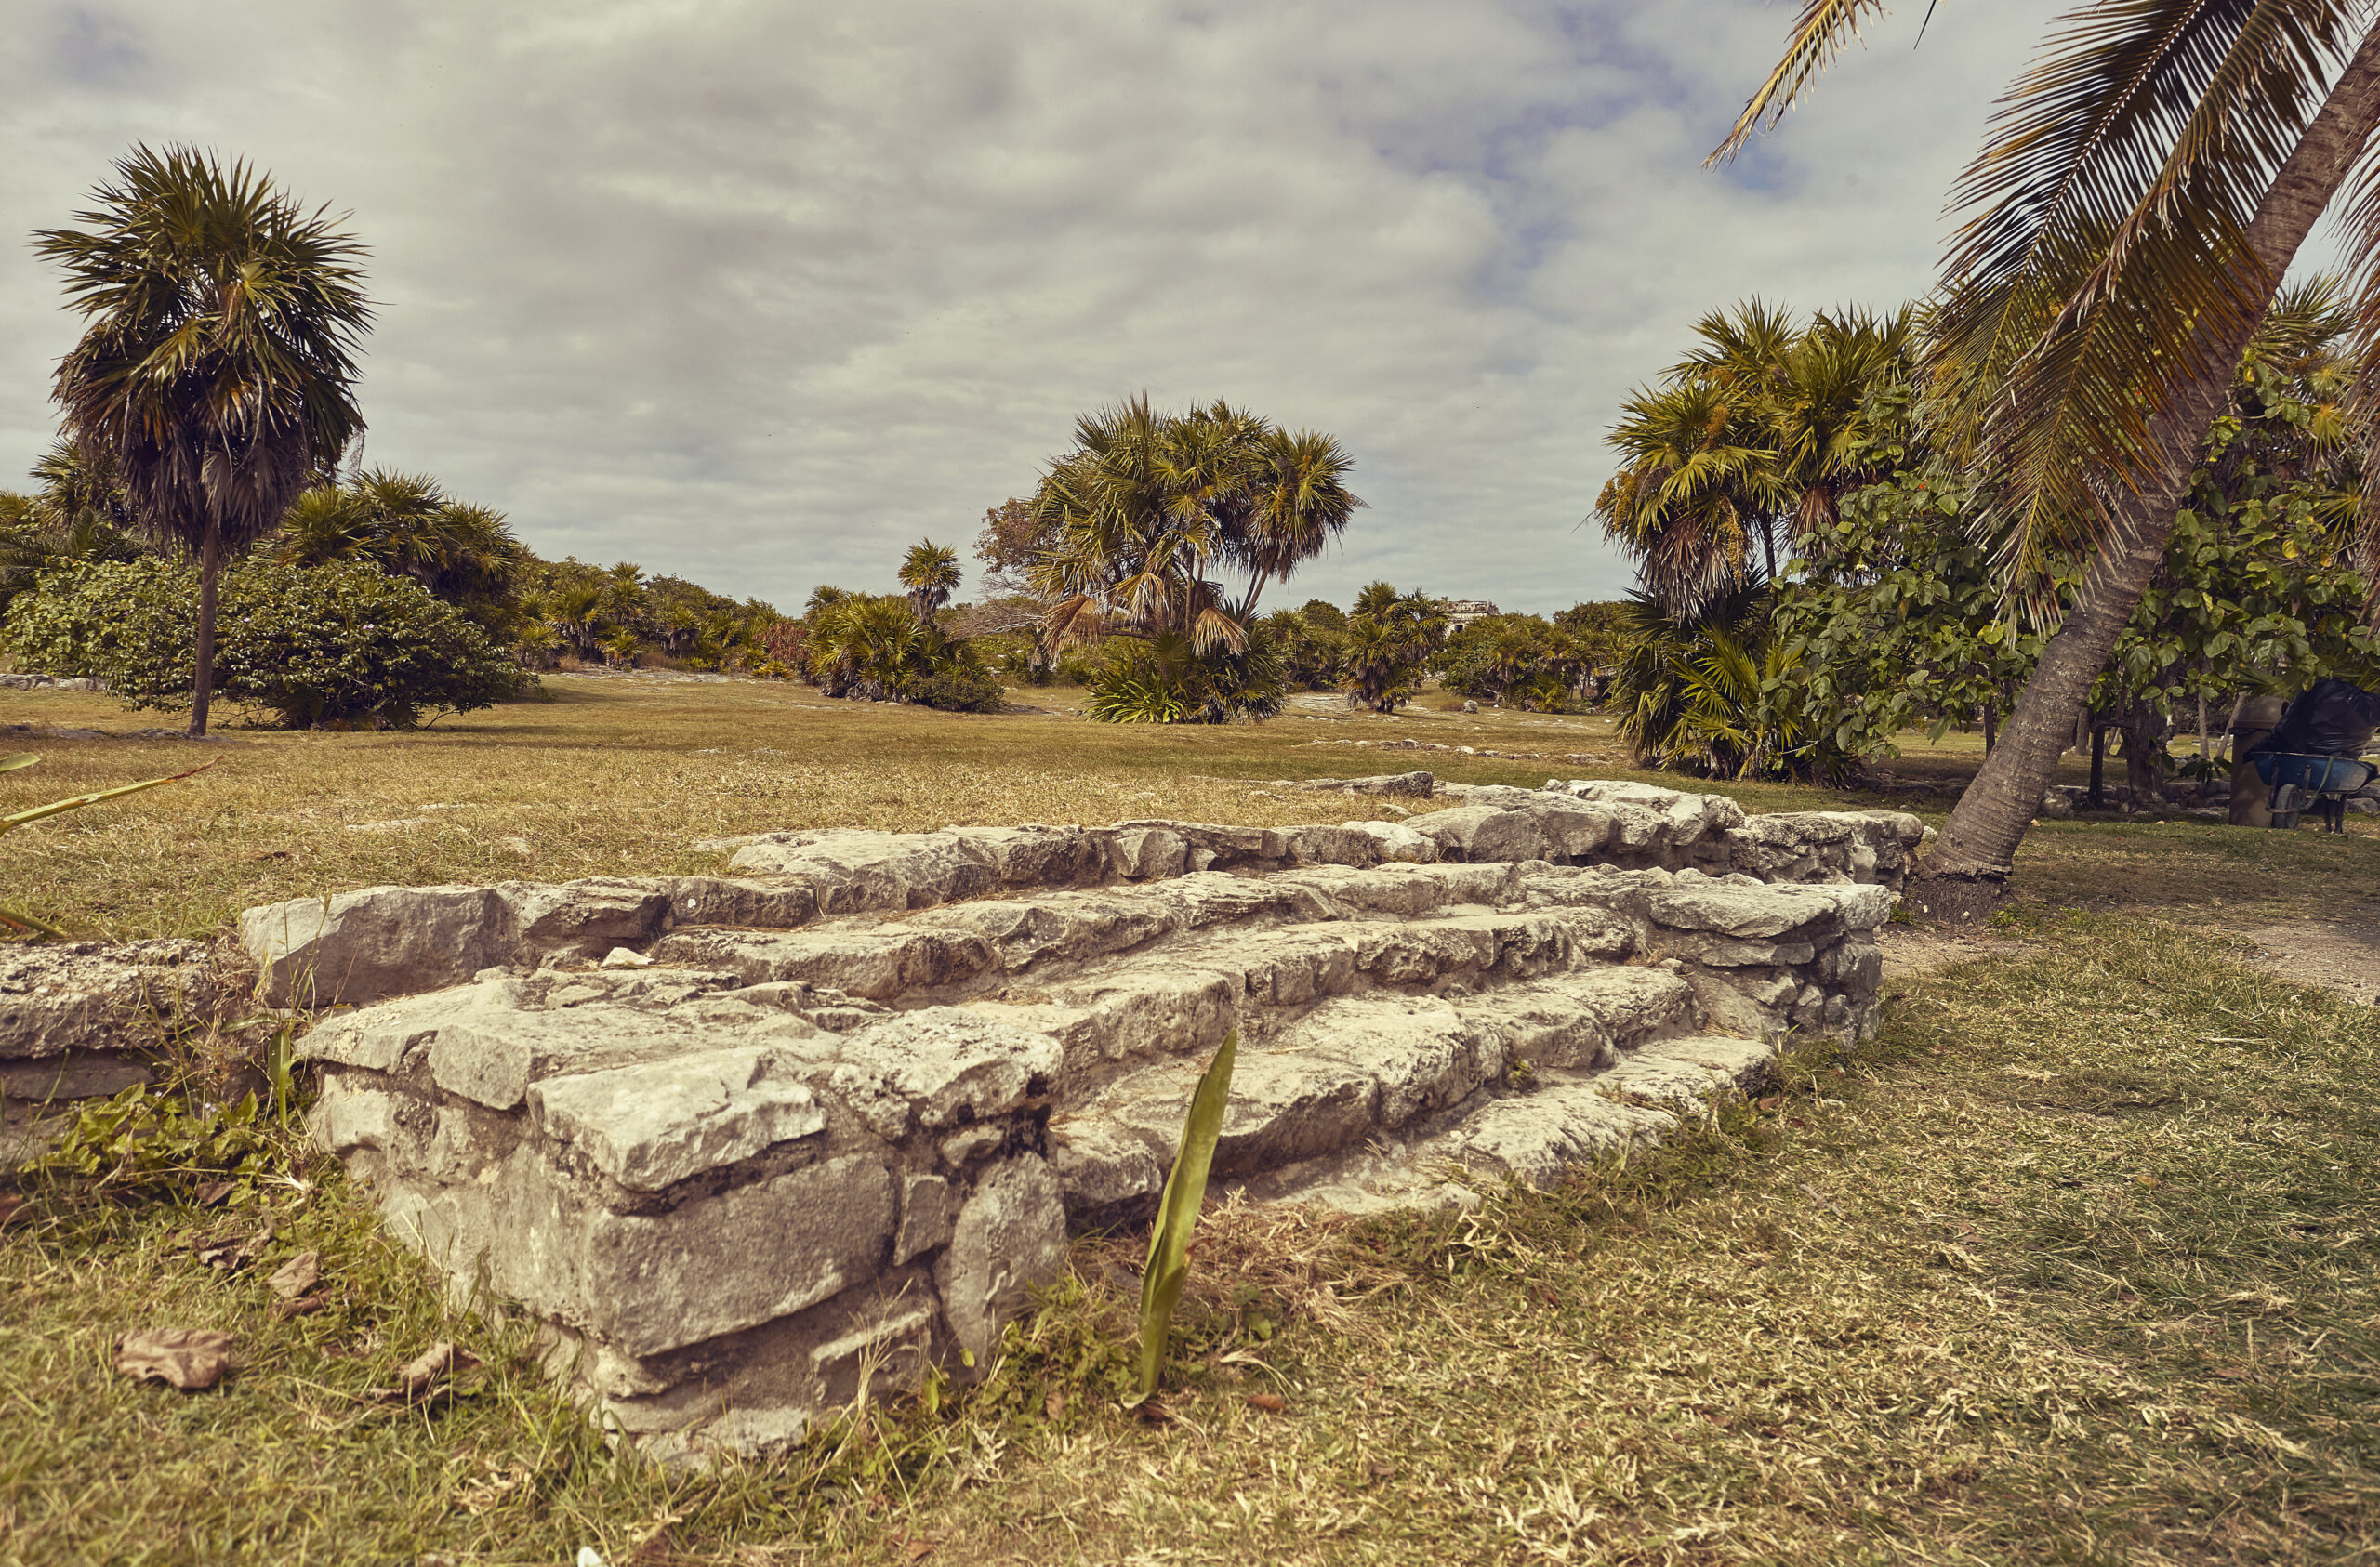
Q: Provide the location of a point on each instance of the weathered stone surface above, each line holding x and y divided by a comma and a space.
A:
1009, 1239
651, 1125
852, 871
356, 947
88, 996
942, 1067
836, 1114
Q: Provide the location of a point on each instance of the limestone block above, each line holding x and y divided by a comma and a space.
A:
1423, 1054
722, 900
1141, 853
1318, 844
356, 947
76, 1074
1483, 833
1009, 1239
351, 1111
491, 1056
929, 1213
1856, 968
1395, 841
875, 965
1064, 927
1104, 1170
82, 996
589, 916
852, 871
1163, 1007
1036, 856
395, 1035
1536, 1136
941, 1067
651, 1125
1688, 816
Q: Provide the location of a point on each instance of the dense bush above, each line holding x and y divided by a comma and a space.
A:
340, 643
1161, 680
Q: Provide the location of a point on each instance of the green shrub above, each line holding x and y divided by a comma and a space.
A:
957, 681
335, 644
1159, 680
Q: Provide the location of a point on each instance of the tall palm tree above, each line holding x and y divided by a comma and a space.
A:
1748, 443
931, 574
2142, 193
216, 373
1150, 511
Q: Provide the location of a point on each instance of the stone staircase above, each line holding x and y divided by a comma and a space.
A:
741, 1142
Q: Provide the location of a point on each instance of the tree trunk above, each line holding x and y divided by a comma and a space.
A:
2251, 801
2144, 752
2098, 795
1967, 873
210, 560
1991, 726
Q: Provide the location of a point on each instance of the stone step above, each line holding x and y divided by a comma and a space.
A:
1353, 1068
1565, 1118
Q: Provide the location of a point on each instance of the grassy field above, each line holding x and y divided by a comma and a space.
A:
2073, 1265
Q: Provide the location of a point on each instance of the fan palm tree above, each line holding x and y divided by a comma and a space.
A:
1748, 443
1150, 510
931, 574
216, 373
405, 525
2141, 195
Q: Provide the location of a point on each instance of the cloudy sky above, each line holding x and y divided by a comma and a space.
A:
761, 294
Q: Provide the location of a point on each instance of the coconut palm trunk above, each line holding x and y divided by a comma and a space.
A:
1967, 872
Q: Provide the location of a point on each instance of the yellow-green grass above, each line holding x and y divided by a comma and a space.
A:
2073, 1265
624, 774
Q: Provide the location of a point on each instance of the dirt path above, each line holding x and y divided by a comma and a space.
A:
1916, 949
2344, 958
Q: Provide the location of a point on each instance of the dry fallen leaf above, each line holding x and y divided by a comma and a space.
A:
1271, 1403
426, 1376
190, 1358
9, 1203
215, 1191
230, 1251
296, 1275
1054, 1405
304, 1305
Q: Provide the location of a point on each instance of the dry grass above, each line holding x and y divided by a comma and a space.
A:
2073, 1265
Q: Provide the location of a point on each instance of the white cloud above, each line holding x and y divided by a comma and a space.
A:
759, 293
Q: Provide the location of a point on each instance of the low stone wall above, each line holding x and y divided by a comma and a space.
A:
735, 1141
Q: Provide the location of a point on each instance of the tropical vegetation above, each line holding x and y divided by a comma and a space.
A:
215, 377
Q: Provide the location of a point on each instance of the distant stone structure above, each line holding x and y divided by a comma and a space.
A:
1462, 612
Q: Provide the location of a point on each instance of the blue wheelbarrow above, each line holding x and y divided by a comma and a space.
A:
2324, 783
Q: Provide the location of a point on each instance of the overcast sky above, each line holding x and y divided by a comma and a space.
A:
761, 294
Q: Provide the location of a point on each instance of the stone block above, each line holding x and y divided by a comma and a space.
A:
1009, 1239
356, 947
653, 1124
942, 1067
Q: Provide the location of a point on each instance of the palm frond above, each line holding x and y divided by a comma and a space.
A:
1819, 36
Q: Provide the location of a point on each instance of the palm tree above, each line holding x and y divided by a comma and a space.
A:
2145, 188
931, 574
1750, 442
217, 374
405, 525
1150, 510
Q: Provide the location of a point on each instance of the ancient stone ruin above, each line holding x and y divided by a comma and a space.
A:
739, 1142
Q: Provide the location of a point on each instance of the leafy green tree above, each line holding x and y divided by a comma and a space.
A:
216, 373
1749, 442
343, 644
1521, 661
1387, 645
406, 525
2142, 194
